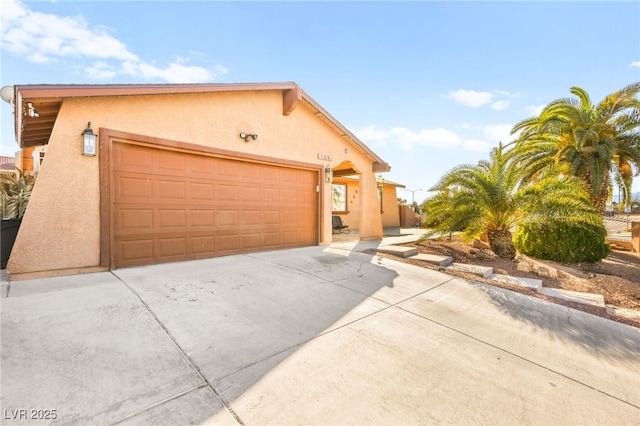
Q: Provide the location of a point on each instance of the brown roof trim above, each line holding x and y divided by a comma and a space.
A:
82, 90
50, 96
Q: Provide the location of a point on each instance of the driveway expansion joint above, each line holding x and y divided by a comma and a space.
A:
192, 363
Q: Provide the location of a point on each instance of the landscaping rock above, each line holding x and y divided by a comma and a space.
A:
483, 271
545, 271
486, 254
480, 245
523, 266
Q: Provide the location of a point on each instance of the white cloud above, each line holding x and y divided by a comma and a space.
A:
534, 110
502, 92
372, 135
477, 145
175, 72
42, 38
498, 133
500, 105
635, 64
406, 139
470, 98
100, 71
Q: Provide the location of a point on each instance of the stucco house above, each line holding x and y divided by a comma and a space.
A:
184, 171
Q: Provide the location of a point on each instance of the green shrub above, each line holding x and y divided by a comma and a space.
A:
563, 242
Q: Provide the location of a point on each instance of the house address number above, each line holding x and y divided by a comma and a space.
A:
325, 157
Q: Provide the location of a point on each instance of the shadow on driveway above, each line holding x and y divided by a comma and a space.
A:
311, 335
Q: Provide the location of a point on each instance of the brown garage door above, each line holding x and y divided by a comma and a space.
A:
171, 206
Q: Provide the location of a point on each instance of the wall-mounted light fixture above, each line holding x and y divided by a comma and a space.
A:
31, 111
246, 136
380, 182
328, 174
89, 141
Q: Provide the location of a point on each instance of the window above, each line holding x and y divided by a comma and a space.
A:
339, 197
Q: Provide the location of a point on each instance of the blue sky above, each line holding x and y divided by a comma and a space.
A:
427, 85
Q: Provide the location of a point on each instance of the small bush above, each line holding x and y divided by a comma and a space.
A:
564, 242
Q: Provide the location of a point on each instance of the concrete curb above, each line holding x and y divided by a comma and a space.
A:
445, 264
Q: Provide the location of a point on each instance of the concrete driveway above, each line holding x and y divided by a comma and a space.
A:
317, 335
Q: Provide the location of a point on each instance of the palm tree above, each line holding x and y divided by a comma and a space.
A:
491, 197
599, 144
15, 191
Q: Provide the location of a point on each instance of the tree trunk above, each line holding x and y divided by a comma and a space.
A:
501, 243
599, 201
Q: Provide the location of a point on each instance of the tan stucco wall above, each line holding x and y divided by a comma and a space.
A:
61, 228
391, 214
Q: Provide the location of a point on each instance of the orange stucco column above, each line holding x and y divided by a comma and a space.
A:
370, 217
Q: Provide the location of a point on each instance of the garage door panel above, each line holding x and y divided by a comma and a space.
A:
289, 195
135, 219
227, 244
271, 174
271, 239
201, 166
203, 245
171, 247
289, 217
135, 159
228, 218
271, 195
271, 217
168, 163
133, 188
171, 190
199, 191
293, 176
170, 206
304, 197
250, 193
202, 218
136, 251
228, 169
227, 192
172, 218
249, 171
251, 217
251, 241
289, 237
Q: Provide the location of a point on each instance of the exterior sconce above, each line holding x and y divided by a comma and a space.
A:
89, 141
380, 182
246, 136
328, 174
